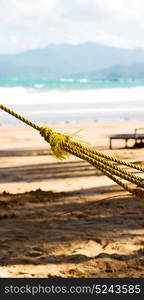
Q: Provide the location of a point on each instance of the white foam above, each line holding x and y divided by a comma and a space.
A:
66, 80
39, 86
20, 95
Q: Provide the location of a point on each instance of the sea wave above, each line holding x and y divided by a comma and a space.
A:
39, 86
67, 80
83, 80
20, 95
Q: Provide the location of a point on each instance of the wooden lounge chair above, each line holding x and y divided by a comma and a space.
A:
137, 137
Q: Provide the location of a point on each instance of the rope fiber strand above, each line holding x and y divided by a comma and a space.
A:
63, 145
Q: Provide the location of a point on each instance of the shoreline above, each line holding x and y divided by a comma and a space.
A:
57, 106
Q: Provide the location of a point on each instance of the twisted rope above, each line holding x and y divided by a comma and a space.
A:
62, 145
111, 158
19, 117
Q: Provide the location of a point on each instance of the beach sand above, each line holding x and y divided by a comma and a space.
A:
66, 219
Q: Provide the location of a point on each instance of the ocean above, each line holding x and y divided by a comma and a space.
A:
47, 101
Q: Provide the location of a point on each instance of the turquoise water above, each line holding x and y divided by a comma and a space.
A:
68, 83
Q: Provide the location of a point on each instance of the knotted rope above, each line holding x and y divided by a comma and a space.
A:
63, 145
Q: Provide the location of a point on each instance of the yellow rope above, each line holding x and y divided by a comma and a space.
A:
19, 117
55, 140
62, 145
100, 159
111, 158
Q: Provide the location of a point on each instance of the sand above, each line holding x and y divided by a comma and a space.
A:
66, 219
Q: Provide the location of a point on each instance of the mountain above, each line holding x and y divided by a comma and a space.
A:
116, 72
66, 60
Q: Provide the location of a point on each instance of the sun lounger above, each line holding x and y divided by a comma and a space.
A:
137, 137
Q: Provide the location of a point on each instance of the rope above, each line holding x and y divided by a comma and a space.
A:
96, 157
111, 158
62, 145
19, 117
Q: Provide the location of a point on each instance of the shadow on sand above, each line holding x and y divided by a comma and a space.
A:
42, 227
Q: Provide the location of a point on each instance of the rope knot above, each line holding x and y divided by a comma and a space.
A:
46, 132
56, 141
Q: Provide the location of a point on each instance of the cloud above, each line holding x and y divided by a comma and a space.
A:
27, 24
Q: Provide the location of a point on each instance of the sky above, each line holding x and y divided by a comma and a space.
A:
31, 24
